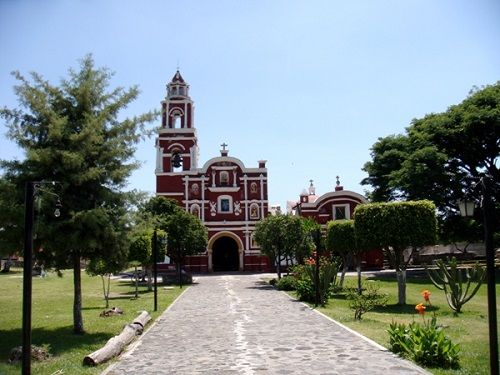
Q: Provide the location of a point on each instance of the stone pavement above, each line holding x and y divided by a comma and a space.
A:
237, 324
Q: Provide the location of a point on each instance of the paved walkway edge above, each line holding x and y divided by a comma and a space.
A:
356, 333
129, 349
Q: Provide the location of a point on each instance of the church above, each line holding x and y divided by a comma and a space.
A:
338, 204
228, 197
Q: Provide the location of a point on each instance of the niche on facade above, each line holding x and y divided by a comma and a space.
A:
195, 189
254, 211
195, 210
253, 188
224, 178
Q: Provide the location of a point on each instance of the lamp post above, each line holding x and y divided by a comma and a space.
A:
155, 268
29, 214
32, 189
466, 209
317, 242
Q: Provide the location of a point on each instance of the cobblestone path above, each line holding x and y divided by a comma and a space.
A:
236, 324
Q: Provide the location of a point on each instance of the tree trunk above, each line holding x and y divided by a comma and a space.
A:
357, 259
278, 265
136, 283
77, 298
104, 290
6, 265
401, 275
342, 275
115, 345
179, 265
149, 275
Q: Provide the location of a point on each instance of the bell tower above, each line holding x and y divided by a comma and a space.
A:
177, 144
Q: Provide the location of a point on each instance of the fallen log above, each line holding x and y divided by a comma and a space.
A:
116, 344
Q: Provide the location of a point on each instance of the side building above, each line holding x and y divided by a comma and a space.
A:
335, 205
228, 197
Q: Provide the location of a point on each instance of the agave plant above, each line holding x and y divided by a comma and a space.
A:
459, 284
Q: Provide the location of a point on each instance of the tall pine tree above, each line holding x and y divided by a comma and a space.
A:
73, 134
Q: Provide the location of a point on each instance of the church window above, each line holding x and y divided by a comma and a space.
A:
254, 211
224, 178
253, 188
341, 212
225, 204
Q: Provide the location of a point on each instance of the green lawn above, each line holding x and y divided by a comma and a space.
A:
52, 318
469, 329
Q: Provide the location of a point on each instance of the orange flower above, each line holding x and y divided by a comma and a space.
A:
310, 261
426, 294
420, 308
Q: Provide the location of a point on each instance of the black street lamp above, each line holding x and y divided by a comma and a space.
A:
467, 209
317, 243
32, 189
155, 268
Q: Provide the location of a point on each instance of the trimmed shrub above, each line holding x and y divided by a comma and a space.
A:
287, 283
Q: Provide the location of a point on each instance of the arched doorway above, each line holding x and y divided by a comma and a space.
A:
225, 255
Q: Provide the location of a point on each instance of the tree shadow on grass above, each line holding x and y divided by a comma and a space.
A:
420, 279
94, 308
60, 340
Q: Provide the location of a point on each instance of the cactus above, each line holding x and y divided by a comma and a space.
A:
450, 278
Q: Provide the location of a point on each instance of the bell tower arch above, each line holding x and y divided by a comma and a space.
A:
177, 143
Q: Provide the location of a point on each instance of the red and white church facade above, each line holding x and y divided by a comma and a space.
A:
228, 197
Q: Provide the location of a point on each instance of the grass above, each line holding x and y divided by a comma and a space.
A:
469, 328
52, 318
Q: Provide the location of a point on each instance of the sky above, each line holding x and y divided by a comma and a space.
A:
308, 86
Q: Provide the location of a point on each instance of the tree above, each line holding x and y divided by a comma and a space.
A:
396, 226
186, 235
141, 250
441, 155
11, 215
282, 236
341, 241
72, 134
105, 268
456, 229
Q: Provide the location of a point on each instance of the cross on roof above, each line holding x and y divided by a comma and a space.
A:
224, 145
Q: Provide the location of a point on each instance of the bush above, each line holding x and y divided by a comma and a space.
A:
286, 283
305, 290
427, 345
304, 276
366, 301
273, 282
